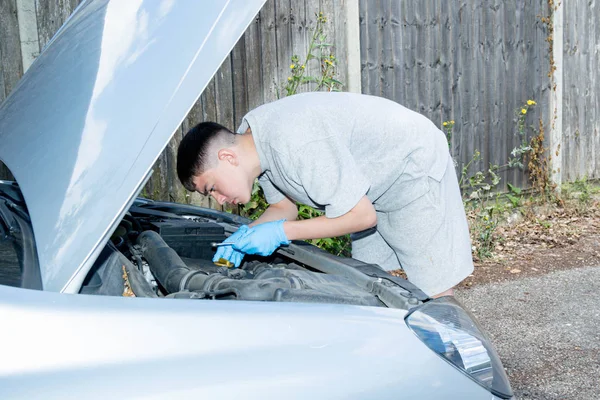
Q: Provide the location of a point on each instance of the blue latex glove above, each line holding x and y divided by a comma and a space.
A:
228, 252
262, 239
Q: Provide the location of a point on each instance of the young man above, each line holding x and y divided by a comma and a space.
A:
380, 172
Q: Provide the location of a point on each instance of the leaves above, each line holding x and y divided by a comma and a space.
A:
514, 189
515, 201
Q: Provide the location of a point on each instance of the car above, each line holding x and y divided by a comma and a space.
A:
104, 294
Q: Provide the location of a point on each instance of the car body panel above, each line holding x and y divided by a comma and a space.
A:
85, 124
80, 346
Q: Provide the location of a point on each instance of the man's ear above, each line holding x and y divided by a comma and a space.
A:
229, 155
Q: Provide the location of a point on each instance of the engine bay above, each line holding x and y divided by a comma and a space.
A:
166, 250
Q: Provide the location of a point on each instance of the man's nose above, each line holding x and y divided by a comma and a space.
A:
219, 198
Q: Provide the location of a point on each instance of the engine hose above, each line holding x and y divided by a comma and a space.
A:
164, 262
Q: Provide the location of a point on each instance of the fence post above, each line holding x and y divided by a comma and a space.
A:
353, 45
556, 94
28, 32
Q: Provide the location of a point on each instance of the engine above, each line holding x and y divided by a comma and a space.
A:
155, 256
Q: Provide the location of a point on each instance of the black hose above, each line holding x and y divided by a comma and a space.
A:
164, 262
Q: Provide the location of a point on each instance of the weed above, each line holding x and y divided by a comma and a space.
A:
481, 186
514, 195
448, 126
581, 190
319, 50
537, 167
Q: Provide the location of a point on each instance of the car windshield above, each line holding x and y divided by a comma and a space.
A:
18, 258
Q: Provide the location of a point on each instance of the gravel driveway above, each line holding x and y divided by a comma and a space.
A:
546, 330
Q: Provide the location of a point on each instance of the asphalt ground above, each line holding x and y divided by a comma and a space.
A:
546, 330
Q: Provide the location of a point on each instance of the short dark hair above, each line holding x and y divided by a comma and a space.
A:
192, 156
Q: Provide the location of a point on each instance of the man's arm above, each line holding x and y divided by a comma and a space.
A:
362, 216
285, 209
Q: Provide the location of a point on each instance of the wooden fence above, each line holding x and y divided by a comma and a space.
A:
581, 97
475, 62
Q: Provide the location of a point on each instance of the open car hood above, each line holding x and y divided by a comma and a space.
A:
86, 123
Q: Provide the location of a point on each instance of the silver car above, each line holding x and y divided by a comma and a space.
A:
106, 295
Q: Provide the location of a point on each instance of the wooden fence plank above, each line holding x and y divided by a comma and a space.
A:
224, 95
398, 85
239, 82
409, 56
594, 116
479, 93
456, 83
374, 50
299, 32
496, 73
51, 14
328, 9
254, 71
340, 48
387, 50
268, 45
175, 191
464, 87
446, 71
2, 85
588, 43
11, 67
511, 25
10, 47
363, 19
434, 62
283, 43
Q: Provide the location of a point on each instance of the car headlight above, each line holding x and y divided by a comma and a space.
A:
451, 332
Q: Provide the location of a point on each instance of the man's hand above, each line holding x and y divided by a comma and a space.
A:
228, 252
262, 239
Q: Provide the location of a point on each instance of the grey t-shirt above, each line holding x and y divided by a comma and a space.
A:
327, 150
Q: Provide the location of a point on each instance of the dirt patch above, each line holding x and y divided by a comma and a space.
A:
538, 240
545, 239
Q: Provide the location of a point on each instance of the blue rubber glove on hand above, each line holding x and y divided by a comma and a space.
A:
228, 252
262, 239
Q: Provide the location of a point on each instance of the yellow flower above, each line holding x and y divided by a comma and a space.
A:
523, 111
452, 122
531, 103
292, 66
303, 66
445, 123
289, 78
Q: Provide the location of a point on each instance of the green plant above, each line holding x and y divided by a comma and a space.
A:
485, 226
545, 224
319, 51
514, 195
339, 246
447, 127
257, 204
480, 187
582, 191
538, 171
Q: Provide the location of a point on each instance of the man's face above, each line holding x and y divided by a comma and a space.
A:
226, 183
